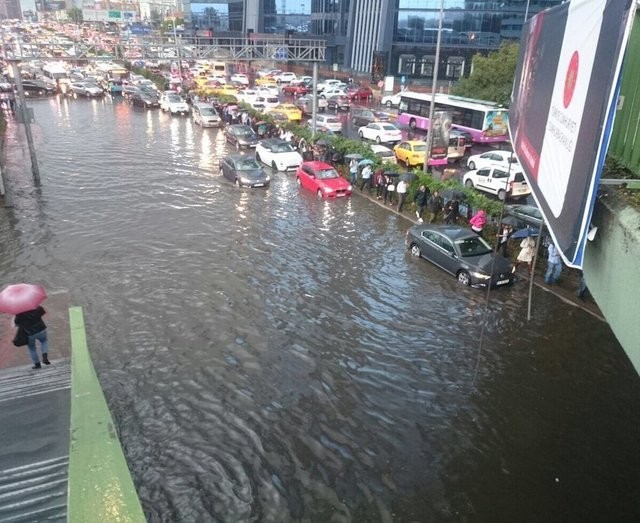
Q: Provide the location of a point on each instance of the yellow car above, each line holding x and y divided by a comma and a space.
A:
411, 153
292, 113
266, 80
224, 89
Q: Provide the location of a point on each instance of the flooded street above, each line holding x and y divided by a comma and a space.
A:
270, 357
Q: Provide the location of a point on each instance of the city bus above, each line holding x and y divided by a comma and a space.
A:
485, 121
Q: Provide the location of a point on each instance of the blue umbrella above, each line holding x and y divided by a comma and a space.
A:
525, 233
366, 161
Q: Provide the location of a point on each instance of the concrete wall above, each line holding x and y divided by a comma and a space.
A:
612, 271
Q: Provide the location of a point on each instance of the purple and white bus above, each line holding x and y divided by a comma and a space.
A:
485, 121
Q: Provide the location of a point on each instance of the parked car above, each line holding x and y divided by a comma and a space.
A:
364, 116
498, 181
37, 88
247, 95
173, 103
392, 100
497, 158
322, 179
384, 153
242, 136
363, 92
267, 90
244, 171
295, 89
239, 78
305, 104
461, 252
526, 215
380, 132
327, 84
268, 102
292, 113
285, 77
205, 115
280, 155
333, 91
411, 153
338, 103
328, 121
88, 89
145, 99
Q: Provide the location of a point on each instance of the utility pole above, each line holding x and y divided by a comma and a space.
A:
26, 120
434, 87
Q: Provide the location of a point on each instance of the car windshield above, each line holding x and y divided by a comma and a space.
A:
475, 246
243, 131
247, 165
208, 111
388, 127
332, 120
174, 98
282, 148
326, 174
420, 147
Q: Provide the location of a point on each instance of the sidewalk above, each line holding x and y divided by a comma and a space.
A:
566, 289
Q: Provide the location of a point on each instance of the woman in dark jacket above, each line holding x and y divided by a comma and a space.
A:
31, 322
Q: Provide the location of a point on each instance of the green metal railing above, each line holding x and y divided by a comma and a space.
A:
100, 484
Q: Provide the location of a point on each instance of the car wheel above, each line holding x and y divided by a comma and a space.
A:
361, 135
274, 166
472, 166
502, 194
388, 104
378, 139
412, 124
464, 278
298, 182
469, 184
319, 194
415, 250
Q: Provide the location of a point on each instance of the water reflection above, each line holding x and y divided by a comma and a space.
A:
272, 357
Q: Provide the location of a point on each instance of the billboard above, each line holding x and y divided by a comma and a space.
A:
562, 108
440, 135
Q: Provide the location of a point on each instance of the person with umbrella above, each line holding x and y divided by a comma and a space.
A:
527, 249
24, 301
366, 175
503, 238
435, 206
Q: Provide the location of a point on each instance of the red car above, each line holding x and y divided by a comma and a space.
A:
360, 93
296, 90
322, 179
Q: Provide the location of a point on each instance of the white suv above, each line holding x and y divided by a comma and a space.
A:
497, 158
285, 78
499, 181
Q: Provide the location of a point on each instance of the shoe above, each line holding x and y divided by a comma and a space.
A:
37, 366
45, 359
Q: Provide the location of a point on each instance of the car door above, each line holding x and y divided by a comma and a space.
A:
498, 180
308, 178
441, 251
482, 179
401, 151
267, 157
225, 168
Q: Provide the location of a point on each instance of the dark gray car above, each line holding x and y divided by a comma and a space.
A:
460, 252
244, 171
242, 136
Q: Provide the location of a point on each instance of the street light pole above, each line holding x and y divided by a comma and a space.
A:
434, 87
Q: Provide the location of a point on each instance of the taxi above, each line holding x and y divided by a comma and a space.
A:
223, 89
266, 80
411, 153
292, 113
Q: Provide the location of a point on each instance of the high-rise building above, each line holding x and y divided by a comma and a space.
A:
10, 9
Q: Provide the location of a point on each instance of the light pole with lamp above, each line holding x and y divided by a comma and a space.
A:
434, 87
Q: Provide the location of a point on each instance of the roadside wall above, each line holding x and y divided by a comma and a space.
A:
612, 271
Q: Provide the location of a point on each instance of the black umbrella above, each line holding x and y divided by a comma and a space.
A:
509, 220
391, 174
525, 233
322, 142
453, 194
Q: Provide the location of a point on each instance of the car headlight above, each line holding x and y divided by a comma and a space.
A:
268, 178
480, 275
245, 180
327, 189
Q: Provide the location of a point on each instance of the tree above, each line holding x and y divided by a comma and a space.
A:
75, 15
492, 75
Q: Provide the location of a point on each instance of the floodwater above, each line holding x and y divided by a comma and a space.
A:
270, 357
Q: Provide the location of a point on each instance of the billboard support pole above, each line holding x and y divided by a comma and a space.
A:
434, 87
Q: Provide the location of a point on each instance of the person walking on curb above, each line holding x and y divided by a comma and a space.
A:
366, 178
435, 206
36, 330
380, 181
353, 171
478, 221
402, 194
554, 265
421, 200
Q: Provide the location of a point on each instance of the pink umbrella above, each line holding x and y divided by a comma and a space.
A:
21, 297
